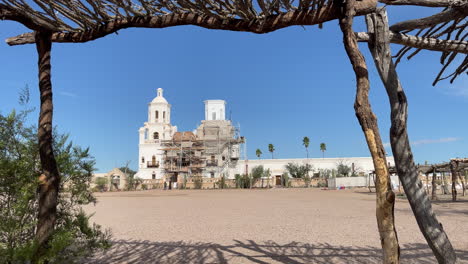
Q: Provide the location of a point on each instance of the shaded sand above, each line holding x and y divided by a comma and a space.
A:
262, 226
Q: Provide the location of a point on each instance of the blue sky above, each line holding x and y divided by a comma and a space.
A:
279, 87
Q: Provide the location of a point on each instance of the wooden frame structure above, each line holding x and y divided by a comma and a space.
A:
86, 20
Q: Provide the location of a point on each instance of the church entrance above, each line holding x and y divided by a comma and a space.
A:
278, 180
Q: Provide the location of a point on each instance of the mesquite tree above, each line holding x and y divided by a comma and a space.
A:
49, 181
368, 122
407, 170
82, 21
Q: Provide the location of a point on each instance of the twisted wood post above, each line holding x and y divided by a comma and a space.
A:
406, 168
462, 182
434, 184
49, 180
368, 121
455, 175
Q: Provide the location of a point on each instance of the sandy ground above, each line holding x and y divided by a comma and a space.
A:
262, 226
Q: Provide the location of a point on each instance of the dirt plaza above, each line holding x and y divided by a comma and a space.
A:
262, 226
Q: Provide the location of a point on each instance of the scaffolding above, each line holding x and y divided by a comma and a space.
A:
211, 152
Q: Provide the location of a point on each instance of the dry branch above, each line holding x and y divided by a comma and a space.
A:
406, 168
428, 3
385, 201
257, 25
433, 44
442, 17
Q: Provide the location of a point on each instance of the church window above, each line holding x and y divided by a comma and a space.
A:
142, 159
155, 135
157, 115
146, 133
153, 176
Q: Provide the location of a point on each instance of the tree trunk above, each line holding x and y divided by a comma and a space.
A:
406, 168
455, 175
368, 122
462, 183
434, 185
462, 179
444, 184
427, 182
49, 181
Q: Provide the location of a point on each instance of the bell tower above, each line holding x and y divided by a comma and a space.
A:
159, 110
215, 110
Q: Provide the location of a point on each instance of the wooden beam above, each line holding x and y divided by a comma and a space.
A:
428, 3
257, 25
421, 43
442, 17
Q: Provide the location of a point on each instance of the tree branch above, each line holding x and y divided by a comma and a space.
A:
420, 42
33, 23
428, 3
444, 16
257, 25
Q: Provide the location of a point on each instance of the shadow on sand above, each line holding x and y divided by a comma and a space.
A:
249, 251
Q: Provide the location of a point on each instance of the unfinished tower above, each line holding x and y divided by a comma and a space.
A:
212, 150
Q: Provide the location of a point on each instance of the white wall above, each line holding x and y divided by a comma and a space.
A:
277, 166
334, 183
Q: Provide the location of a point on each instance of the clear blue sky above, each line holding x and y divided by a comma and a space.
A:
280, 87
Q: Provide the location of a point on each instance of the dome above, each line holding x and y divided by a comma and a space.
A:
160, 98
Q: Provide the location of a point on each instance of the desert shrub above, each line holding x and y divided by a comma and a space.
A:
20, 167
299, 171
321, 184
242, 181
342, 169
133, 183
285, 178
222, 183
101, 183
197, 182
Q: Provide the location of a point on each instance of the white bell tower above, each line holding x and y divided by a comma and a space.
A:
215, 110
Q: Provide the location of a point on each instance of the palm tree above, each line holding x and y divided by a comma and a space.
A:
323, 148
271, 148
305, 142
259, 153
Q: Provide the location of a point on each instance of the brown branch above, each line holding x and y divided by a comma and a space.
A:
421, 43
258, 26
428, 3
369, 125
31, 22
444, 16
406, 168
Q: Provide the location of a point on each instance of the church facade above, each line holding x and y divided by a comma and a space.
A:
212, 150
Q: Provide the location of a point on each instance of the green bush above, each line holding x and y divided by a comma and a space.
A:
197, 182
285, 180
222, 183
73, 235
322, 184
101, 183
242, 181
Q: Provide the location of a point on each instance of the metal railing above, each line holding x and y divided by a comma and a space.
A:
151, 164
212, 163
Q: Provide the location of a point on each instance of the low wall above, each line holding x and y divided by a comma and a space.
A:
214, 183
366, 181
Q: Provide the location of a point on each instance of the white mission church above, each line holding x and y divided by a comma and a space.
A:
212, 150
